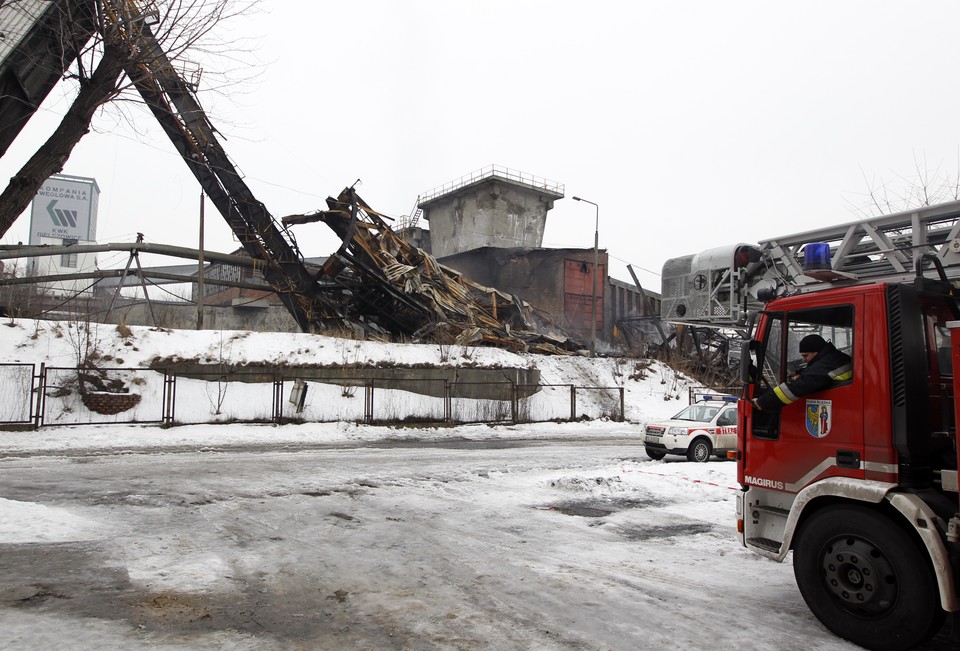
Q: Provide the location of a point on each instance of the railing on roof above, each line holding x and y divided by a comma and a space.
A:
489, 171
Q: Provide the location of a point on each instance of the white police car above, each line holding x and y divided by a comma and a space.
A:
708, 426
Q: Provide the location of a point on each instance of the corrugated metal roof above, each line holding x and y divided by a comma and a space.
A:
16, 19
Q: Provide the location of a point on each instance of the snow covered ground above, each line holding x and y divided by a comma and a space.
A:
344, 536
561, 542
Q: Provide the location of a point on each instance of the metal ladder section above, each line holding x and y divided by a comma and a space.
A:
410, 221
415, 217
175, 107
40, 42
707, 289
887, 248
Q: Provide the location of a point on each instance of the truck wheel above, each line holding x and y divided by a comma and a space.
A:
656, 455
865, 579
699, 451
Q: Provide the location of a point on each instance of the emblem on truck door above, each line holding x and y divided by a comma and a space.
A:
819, 417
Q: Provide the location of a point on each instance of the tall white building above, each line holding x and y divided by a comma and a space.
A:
64, 212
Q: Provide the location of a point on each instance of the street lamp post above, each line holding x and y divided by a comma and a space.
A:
596, 267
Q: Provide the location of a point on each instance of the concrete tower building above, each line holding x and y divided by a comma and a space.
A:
489, 225
493, 207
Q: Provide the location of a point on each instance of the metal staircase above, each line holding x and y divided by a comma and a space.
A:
411, 220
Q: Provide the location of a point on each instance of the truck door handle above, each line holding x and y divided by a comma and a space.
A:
848, 459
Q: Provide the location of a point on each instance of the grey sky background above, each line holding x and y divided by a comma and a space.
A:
692, 124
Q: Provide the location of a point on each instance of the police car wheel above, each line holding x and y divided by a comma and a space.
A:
866, 579
699, 451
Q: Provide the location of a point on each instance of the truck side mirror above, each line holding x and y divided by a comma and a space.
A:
747, 367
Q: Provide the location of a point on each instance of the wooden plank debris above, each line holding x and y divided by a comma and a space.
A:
396, 290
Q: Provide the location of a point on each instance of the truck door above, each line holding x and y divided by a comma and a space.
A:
818, 434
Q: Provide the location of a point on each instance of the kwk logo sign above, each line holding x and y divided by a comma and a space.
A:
61, 217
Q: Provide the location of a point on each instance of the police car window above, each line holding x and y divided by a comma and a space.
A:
699, 413
727, 418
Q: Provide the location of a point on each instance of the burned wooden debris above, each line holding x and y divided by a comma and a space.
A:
393, 289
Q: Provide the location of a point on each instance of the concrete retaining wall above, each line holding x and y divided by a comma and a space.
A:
481, 383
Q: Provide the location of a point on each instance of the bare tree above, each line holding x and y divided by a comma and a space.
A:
103, 67
928, 185
20, 300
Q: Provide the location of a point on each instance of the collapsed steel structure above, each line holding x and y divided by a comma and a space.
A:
392, 287
375, 281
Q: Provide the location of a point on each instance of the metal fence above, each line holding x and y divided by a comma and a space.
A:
16, 393
84, 396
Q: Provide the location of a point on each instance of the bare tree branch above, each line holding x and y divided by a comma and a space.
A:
183, 27
927, 187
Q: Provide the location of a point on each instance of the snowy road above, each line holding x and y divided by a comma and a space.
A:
508, 545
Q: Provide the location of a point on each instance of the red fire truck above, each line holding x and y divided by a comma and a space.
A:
859, 481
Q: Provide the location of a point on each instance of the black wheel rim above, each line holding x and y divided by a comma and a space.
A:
859, 576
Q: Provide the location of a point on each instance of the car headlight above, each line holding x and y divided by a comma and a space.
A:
677, 431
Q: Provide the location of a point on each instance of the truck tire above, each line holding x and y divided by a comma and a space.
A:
699, 451
866, 579
656, 455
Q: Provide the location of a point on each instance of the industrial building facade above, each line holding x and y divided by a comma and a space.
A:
489, 225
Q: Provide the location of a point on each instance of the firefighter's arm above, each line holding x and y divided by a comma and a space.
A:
785, 393
810, 380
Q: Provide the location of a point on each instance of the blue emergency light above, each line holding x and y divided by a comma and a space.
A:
720, 397
816, 256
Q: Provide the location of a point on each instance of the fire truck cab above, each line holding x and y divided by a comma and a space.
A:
859, 480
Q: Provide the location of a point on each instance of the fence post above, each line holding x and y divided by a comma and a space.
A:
169, 397
41, 393
368, 401
277, 415
623, 407
447, 402
573, 402
514, 402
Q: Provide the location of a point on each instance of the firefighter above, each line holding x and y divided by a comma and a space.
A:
825, 367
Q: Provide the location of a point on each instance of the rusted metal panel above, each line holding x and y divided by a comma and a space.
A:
578, 292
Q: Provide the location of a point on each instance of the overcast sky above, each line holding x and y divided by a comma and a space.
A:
692, 124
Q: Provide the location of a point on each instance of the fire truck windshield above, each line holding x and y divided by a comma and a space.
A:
698, 413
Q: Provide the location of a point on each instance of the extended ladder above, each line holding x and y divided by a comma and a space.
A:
721, 287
